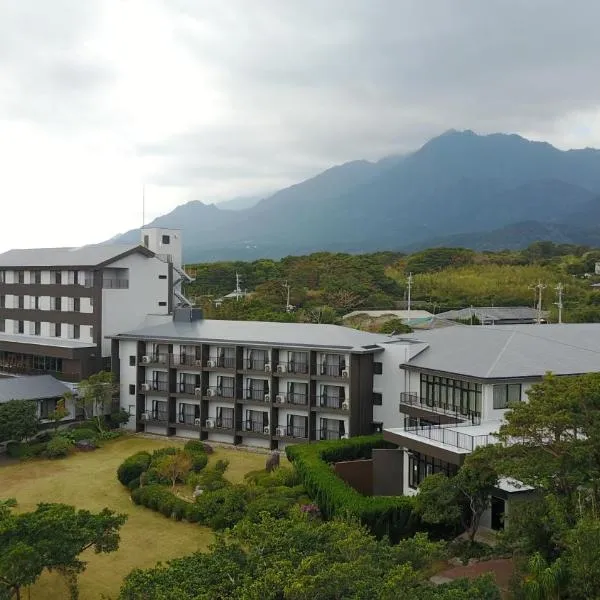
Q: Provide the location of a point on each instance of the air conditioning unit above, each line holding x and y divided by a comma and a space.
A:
198, 391
211, 363
210, 392
266, 430
197, 422
145, 359
210, 423
280, 431
267, 397
198, 362
267, 367
344, 437
345, 373
345, 405
146, 387
281, 368
280, 398
145, 416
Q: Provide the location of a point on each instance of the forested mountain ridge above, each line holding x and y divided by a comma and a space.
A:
457, 183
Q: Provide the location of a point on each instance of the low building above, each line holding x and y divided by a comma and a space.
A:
257, 383
458, 386
495, 315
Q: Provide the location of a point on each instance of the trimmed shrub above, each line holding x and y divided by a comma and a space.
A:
284, 476
133, 467
13, 449
212, 478
58, 447
159, 498
28, 450
118, 418
195, 446
224, 507
134, 484
82, 434
391, 516
199, 460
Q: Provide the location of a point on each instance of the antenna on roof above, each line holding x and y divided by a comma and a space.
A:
559, 290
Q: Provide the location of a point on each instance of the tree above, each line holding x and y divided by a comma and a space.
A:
462, 498
174, 467
543, 580
51, 538
18, 420
95, 393
60, 412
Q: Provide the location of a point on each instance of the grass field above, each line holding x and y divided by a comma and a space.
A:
88, 480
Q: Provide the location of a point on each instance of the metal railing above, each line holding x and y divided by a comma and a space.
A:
160, 358
452, 437
295, 367
110, 283
296, 398
258, 394
187, 360
189, 418
221, 392
412, 399
329, 370
295, 431
222, 362
337, 402
255, 364
256, 427
188, 388
156, 416
329, 434
158, 386
224, 423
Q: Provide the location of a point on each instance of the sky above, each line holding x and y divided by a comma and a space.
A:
205, 100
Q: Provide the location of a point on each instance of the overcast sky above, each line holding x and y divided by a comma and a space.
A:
207, 100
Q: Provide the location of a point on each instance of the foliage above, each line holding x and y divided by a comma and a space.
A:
213, 477
223, 507
175, 467
18, 420
60, 412
58, 447
283, 476
298, 558
24, 450
394, 326
133, 467
119, 418
95, 394
77, 435
51, 538
436, 259
197, 453
159, 498
392, 516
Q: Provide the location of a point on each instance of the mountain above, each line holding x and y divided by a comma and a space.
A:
240, 202
456, 184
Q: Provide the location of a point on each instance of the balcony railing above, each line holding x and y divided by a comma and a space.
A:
189, 419
155, 416
157, 386
222, 362
224, 422
256, 364
465, 413
257, 427
296, 398
187, 360
329, 370
189, 388
452, 437
329, 434
258, 394
157, 358
336, 402
115, 284
220, 392
293, 431
294, 367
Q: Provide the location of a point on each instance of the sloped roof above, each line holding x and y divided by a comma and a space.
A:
493, 313
510, 351
84, 256
31, 388
397, 314
258, 332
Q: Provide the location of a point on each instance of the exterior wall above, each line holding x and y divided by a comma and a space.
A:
390, 383
388, 472
256, 442
127, 377
125, 309
220, 438
187, 433
358, 474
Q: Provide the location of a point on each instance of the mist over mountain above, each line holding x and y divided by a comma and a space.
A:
483, 191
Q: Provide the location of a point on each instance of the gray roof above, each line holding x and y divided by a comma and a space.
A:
260, 333
31, 388
36, 340
399, 314
84, 256
510, 351
493, 313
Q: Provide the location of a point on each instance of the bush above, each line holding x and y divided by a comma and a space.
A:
134, 484
108, 435
224, 507
58, 447
82, 434
212, 478
159, 498
28, 450
208, 449
393, 516
284, 476
118, 418
276, 501
133, 467
199, 460
195, 446
13, 449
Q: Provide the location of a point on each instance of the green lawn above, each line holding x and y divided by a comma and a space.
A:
88, 480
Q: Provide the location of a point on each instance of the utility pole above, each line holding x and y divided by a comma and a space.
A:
409, 281
539, 288
286, 285
559, 290
238, 290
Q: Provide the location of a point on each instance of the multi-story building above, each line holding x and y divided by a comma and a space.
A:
57, 305
459, 383
256, 383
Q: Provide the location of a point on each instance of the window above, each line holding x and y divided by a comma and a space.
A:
20, 276
36, 303
20, 327
57, 329
377, 399
3, 301
37, 328
77, 304
57, 303
162, 303
297, 426
74, 277
132, 360
92, 331
146, 241
166, 240
47, 407
76, 332
224, 417
37, 277
505, 394
2, 276
456, 395
2, 325
21, 301
132, 389
378, 368
56, 277
162, 276
420, 466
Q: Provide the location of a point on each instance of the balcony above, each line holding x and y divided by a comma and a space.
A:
259, 395
188, 421
155, 417
331, 434
157, 359
293, 368
336, 371
256, 428
297, 432
221, 363
333, 402
453, 436
295, 399
155, 387
408, 399
189, 390
186, 360
220, 423
221, 393
257, 365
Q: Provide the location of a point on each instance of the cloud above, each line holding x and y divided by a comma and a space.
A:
208, 100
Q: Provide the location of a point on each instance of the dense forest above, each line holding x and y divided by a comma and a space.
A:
324, 286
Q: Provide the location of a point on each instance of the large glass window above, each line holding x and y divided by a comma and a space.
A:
421, 465
451, 394
505, 394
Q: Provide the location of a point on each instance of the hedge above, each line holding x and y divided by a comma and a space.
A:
391, 516
159, 498
133, 466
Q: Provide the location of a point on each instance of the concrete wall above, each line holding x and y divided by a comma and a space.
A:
389, 384
358, 474
388, 472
